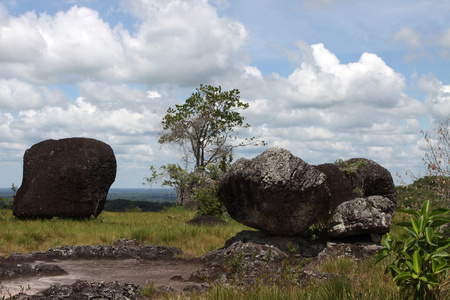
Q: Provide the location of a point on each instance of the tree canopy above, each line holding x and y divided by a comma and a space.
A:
205, 125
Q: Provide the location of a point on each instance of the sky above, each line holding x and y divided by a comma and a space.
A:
325, 79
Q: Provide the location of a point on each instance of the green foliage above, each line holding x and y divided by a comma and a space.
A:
148, 290
353, 170
353, 167
204, 128
422, 259
202, 184
422, 189
204, 125
208, 203
6, 203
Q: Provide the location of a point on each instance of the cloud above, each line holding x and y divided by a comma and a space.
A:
174, 41
321, 81
16, 95
59, 48
325, 109
437, 98
324, 92
188, 37
318, 4
444, 42
413, 42
123, 78
409, 37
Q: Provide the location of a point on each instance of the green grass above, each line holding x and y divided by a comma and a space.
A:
359, 279
162, 228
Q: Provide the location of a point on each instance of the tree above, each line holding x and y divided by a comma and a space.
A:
204, 126
205, 129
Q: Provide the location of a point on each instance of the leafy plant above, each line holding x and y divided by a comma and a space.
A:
422, 259
208, 203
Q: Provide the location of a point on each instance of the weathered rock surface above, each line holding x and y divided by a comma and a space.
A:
372, 214
82, 289
368, 178
339, 185
66, 178
291, 245
274, 191
10, 270
239, 261
120, 250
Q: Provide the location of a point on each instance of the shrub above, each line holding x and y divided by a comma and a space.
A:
6, 203
207, 202
422, 259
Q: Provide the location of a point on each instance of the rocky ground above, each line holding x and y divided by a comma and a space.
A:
122, 270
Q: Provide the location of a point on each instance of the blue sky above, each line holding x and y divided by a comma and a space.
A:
325, 79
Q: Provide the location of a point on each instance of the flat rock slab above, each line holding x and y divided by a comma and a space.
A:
158, 272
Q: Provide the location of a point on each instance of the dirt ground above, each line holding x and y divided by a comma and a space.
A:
130, 264
174, 273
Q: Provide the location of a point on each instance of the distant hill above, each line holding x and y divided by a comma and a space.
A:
120, 200
151, 195
143, 194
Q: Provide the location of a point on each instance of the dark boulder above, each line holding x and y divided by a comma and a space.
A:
368, 178
66, 178
275, 191
339, 185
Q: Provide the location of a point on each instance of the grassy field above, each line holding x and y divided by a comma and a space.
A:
357, 280
160, 228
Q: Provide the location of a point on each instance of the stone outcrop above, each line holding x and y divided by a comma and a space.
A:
279, 193
275, 191
290, 245
81, 289
340, 187
368, 215
368, 178
370, 209
66, 178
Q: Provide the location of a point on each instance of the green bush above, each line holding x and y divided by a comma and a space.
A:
208, 203
421, 260
6, 203
422, 189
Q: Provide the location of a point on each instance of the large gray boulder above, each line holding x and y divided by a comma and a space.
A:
275, 191
66, 178
369, 215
